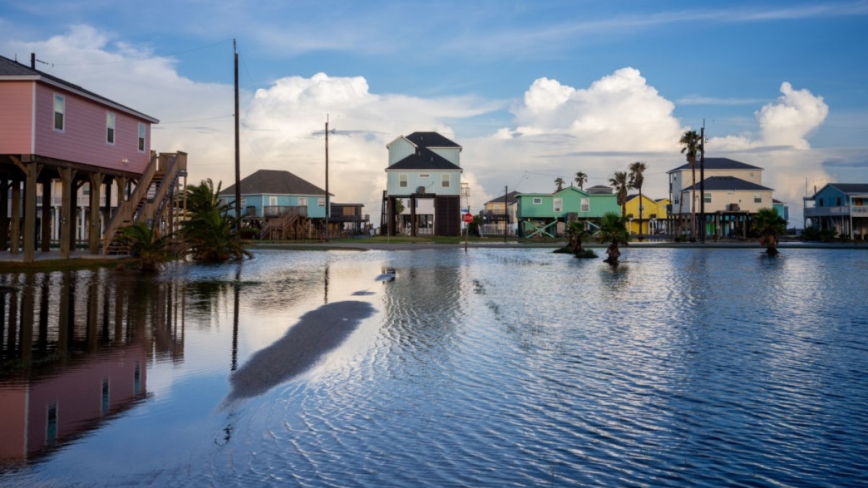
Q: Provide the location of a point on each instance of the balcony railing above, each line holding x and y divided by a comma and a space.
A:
861, 211
278, 210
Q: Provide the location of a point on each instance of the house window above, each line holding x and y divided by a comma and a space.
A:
751, 174
302, 201
109, 128
444, 180
59, 113
141, 137
402, 180
707, 197
272, 201
838, 202
424, 175
537, 201
757, 198
676, 200
243, 201
858, 202
558, 204
320, 202
820, 202
585, 205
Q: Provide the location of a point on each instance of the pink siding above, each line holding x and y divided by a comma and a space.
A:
84, 137
13, 422
16, 116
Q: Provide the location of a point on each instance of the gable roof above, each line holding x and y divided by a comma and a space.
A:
430, 139
644, 197
731, 183
510, 198
424, 159
274, 182
13, 70
717, 163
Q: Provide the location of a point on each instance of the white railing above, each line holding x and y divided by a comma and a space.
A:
81, 201
835, 211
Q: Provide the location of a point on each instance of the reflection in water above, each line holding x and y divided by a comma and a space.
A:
316, 333
87, 364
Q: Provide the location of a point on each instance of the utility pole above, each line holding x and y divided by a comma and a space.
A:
702, 180
237, 153
327, 204
505, 211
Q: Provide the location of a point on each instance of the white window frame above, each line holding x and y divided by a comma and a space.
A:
558, 204
585, 205
110, 125
302, 201
403, 180
142, 133
707, 197
272, 201
320, 202
444, 180
757, 198
536, 201
59, 109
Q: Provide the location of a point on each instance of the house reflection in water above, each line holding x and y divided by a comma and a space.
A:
74, 351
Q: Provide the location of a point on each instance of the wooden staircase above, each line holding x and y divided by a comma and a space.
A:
286, 226
155, 190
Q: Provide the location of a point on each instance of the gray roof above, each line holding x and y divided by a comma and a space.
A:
424, 159
599, 190
10, 68
716, 163
716, 183
274, 182
849, 188
430, 139
510, 197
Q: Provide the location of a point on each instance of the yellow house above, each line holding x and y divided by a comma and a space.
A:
653, 215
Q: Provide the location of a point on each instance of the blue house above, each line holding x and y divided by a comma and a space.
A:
840, 207
270, 193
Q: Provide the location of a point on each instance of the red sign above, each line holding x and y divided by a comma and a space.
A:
468, 217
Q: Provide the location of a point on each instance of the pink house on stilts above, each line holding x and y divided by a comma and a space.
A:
56, 134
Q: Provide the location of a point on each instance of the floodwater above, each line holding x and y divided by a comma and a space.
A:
492, 367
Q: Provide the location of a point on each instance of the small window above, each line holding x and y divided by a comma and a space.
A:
751, 174
109, 128
424, 175
707, 198
243, 201
838, 202
320, 202
141, 137
585, 204
537, 201
59, 113
402, 180
676, 200
302, 201
444, 180
757, 198
820, 202
558, 204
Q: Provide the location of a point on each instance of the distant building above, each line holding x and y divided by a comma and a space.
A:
546, 214
733, 195
500, 213
424, 182
842, 207
653, 215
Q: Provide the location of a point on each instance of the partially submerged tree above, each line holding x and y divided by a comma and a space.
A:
612, 230
579, 233
770, 227
208, 232
149, 250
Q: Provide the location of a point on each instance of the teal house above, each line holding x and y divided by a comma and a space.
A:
539, 214
271, 193
842, 207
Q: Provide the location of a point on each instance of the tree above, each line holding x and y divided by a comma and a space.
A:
770, 226
149, 250
560, 182
620, 182
637, 177
690, 142
612, 230
208, 231
579, 233
581, 179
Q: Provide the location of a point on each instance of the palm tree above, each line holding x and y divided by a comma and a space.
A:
637, 177
581, 178
149, 250
560, 182
208, 231
613, 231
579, 233
770, 226
620, 182
690, 143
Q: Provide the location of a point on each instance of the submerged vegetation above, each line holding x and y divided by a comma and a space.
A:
770, 227
209, 230
613, 232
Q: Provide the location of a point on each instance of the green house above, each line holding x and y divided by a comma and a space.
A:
539, 213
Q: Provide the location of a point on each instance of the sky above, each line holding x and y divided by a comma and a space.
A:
532, 90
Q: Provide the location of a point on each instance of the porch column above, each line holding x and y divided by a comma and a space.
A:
412, 216
93, 231
46, 215
67, 175
32, 173
4, 210
390, 217
15, 226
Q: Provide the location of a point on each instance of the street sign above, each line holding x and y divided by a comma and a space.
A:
468, 217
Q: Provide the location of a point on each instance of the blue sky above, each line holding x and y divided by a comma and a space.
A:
532, 89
